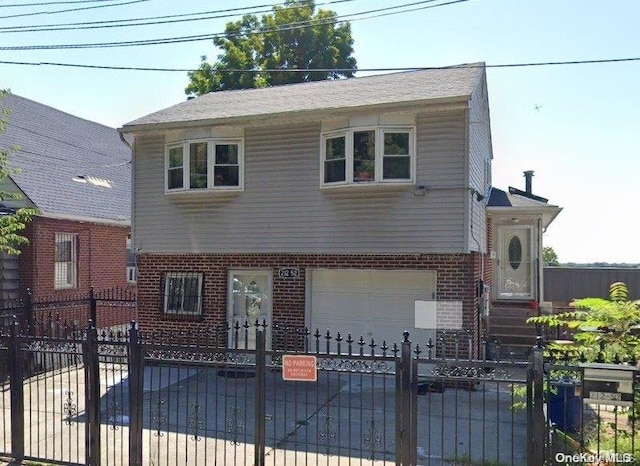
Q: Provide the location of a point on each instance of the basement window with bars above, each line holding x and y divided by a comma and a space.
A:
66, 261
183, 294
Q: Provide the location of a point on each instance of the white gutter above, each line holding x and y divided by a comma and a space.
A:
80, 218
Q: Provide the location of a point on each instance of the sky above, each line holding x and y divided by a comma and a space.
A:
575, 125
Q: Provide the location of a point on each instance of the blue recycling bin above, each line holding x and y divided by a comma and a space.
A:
565, 407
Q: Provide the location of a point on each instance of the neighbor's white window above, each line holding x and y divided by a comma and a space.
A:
212, 164
183, 293
66, 261
368, 155
131, 262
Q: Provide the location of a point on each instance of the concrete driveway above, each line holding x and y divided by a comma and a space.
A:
206, 416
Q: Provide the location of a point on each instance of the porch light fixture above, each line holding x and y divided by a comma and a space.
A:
479, 196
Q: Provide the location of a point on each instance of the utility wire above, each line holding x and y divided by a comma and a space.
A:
37, 13
162, 19
380, 12
68, 2
340, 70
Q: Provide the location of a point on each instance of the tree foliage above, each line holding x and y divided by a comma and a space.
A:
549, 256
294, 36
12, 222
605, 329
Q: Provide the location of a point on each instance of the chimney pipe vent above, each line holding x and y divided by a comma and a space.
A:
528, 176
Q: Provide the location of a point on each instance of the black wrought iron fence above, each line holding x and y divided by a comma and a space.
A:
58, 315
237, 395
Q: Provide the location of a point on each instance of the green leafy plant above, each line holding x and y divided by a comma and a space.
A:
12, 222
257, 52
605, 330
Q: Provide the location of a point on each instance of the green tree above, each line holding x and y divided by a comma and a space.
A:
12, 223
549, 256
605, 329
294, 36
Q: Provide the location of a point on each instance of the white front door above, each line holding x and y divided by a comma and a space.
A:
249, 301
515, 262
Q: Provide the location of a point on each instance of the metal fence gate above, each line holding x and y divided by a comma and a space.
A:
218, 396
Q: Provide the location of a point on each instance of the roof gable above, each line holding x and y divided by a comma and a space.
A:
406, 87
56, 151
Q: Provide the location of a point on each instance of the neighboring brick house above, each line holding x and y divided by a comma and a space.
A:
77, 173
349, 205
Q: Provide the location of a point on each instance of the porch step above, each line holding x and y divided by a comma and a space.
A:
508, 326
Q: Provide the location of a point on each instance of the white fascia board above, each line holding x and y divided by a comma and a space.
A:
83, 219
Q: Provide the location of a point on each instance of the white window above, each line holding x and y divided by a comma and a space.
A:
213, 164
183, 293
66, 261
368, 155
131, 262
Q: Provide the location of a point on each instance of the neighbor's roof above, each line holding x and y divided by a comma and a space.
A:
395, 88
69, 167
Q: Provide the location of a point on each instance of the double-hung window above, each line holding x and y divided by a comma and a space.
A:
66, 261
368, 155
183, 293
212, 164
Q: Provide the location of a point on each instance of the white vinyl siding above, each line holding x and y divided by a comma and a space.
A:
283, 208
480, 156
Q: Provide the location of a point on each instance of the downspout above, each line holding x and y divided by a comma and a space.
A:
132, 197
540, 264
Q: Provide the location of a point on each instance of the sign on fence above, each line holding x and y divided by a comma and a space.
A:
300, 368
608, 384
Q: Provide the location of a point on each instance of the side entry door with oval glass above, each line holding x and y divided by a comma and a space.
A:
515, 263
249, 301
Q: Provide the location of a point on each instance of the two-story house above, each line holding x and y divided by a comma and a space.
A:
355, 205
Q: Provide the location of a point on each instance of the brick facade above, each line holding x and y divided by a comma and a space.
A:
101, 252
456, 277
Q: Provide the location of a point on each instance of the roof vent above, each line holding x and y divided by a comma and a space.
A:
528, 177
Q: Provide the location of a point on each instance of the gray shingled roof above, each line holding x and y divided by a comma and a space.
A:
55, 148
501, 199
409, 86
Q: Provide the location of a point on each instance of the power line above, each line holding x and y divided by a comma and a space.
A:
37, 13
380, 12
166, 19
340, 70
68, 2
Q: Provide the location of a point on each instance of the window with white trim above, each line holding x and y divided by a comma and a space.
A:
131, 262
66, 261
212, 164
183, 293
368, 155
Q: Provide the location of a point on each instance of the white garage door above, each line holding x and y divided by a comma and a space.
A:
378, 304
